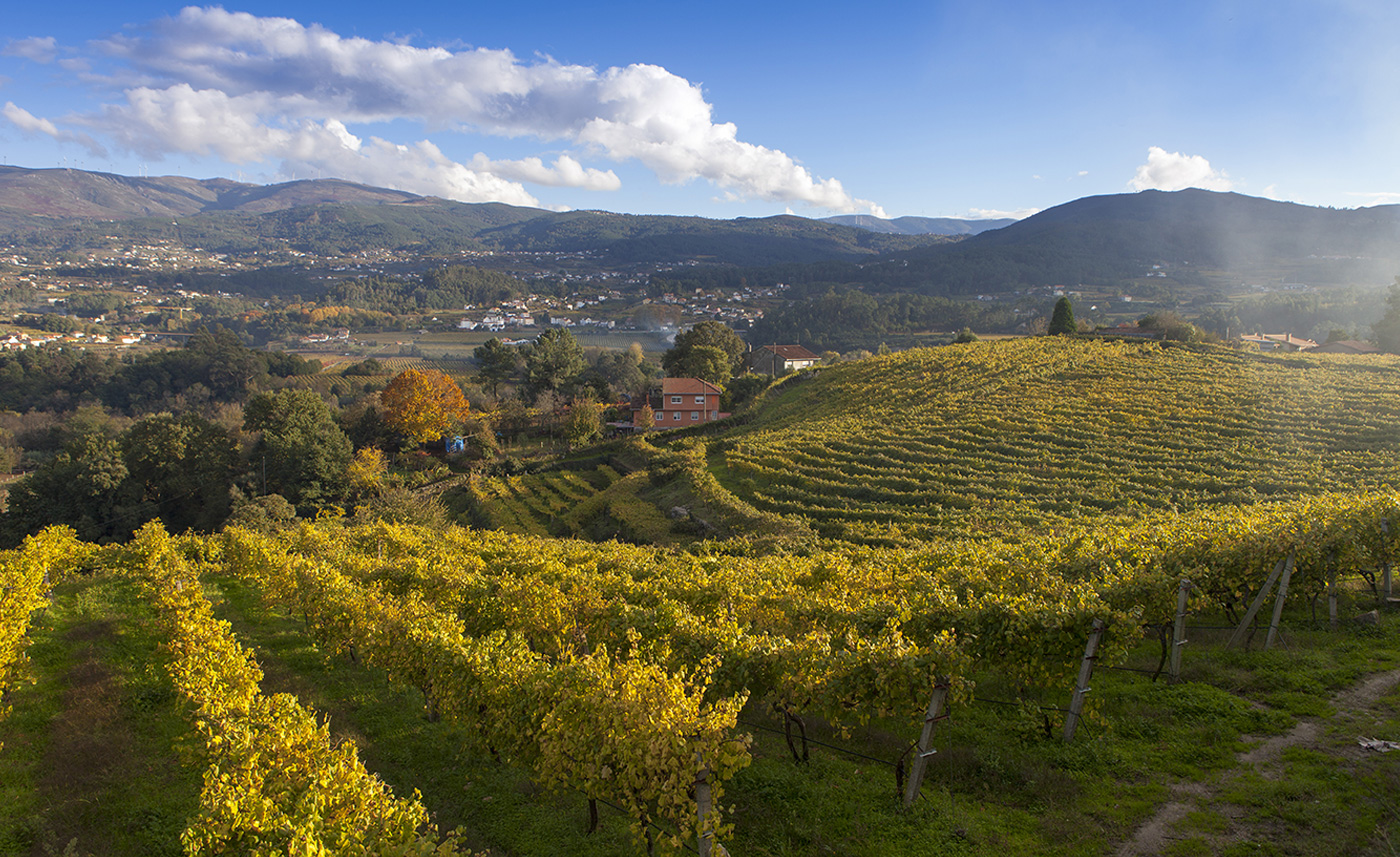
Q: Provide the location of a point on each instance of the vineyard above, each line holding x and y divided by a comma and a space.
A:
997, 438
621, 674
949, 616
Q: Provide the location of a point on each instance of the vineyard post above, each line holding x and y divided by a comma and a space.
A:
1081, 685
1179, 629
1385, 566
924, 751
1332, 598
706, 841
1257, 603
1278, 604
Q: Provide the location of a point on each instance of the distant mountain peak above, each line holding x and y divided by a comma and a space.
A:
919, 225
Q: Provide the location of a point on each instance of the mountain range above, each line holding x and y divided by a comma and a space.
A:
1102, 239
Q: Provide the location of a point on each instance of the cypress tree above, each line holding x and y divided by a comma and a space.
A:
1062, 319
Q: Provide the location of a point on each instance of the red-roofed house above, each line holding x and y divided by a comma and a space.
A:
1345, 346
681, 402
1277, 341
781, 359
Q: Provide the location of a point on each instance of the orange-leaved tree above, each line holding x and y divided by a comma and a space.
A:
423, 405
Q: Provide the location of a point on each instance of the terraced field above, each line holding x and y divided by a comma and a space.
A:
537, 503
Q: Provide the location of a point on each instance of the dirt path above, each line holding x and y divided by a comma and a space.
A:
1155, 835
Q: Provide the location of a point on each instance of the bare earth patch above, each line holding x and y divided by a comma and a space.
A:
1154, 836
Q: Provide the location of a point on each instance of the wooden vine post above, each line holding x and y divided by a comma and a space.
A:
1081, 686
1278, 604
1258, 602
1332, 593
924, 751
1179, 629
706, 843
1385, 566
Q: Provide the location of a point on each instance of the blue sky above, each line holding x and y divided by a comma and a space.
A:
726, 109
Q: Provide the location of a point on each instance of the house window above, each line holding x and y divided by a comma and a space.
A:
675, 400
695, 415
676, 416
699, 400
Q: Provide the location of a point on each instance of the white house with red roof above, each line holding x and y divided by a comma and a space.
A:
781, 359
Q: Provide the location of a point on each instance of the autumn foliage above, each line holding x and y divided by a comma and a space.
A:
423, 405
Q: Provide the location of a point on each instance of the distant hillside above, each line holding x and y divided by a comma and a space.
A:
73, 208
1110, 240
63, 193
919, 225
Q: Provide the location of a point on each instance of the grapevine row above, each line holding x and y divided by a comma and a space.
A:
274, 782
616, 728
26, 575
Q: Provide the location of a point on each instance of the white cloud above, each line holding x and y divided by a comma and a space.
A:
1374, 197
41, 49
1082, 173
1174, 171
998, 214
30, 124
249, 88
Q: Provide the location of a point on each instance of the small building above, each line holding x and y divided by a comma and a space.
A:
1345, 346
1277, 341
781, 359
681, 402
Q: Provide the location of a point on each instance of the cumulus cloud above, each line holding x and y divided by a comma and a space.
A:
250, 88
1174, 171
30, 124
41, 49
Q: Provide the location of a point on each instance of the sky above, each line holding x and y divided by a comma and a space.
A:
725, 109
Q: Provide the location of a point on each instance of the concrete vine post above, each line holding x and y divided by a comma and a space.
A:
1081, 685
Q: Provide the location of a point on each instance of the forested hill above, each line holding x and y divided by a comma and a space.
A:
1111, 240
70, 209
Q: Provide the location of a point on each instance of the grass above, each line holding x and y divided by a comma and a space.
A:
92, 762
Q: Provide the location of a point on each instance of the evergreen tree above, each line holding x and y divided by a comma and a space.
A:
1062, 319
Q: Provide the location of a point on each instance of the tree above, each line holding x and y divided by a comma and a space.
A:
496, 363
646, 417
723, 351
85, 486
585, 422
302, 454
423, 405
552, 363
184, 468
705, 362
1062, 319
1387, 330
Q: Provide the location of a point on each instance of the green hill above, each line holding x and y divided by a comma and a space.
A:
1022, 436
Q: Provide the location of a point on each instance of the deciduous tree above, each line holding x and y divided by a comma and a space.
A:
302, 452
710, 348
423, 405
